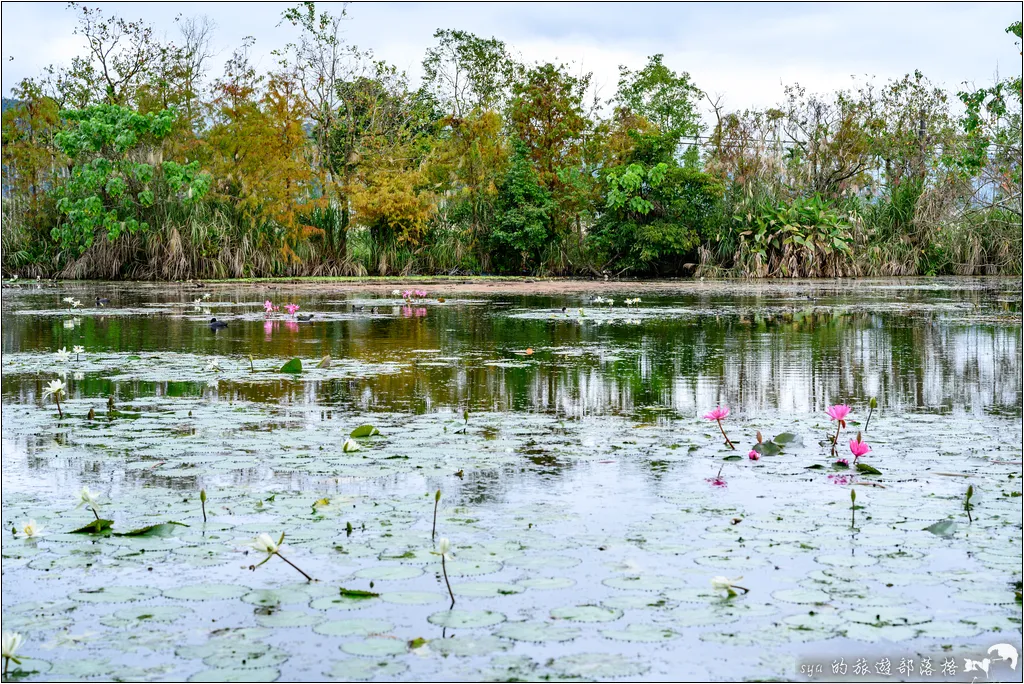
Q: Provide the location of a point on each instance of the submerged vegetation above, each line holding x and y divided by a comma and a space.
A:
134, 161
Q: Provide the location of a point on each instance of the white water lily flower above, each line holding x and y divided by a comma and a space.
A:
54, 387
87, 498
197, 301
31, 529
264, 543
76, 304
206, 295
444, 547
396, 293
214, 364
63, 355
79, 375
721, 583
68, 300
11, 642
350, 445
729, 586
78, 349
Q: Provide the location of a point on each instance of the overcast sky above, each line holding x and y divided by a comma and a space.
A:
744, 52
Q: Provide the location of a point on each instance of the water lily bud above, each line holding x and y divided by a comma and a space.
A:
873, 403
759, 437
437, 496
202, 495
853, 496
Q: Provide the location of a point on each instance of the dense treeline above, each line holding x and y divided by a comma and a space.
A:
135, 162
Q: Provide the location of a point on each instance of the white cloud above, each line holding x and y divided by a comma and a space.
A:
742, 51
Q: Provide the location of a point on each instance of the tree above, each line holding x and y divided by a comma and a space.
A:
118, 175
993, 127
523, 216
655, 216
121, 53
385, 133
30, 157
466, 72
258, 152
665, 99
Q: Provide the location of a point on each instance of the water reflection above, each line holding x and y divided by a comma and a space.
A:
756, 354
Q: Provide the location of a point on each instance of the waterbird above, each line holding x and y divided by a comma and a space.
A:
102, 301
305, 318
215, 324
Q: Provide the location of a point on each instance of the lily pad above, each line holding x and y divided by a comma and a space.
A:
594, 666
586, 613
537, 632
465, 618
375, 647
207, 592
353, 627
364, 431
292, 366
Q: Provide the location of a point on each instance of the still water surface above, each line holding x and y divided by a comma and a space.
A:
580, 496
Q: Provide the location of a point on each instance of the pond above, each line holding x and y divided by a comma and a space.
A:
588, 503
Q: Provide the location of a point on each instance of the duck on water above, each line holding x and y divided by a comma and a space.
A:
217, 325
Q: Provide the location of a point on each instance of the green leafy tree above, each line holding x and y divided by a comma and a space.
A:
522, 226
655, 216
117, 174
662, 97
466, 72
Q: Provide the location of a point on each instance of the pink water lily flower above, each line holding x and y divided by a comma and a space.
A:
838, 412
291, 308
718, 414
420, 293
268, 306
407, 294
858, 449
753, 455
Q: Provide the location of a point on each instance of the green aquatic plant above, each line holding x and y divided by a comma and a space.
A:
872, 405
202, 502
853, 507
968, 506
437, 500
264, 543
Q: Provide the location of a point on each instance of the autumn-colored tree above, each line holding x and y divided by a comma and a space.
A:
258, 148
